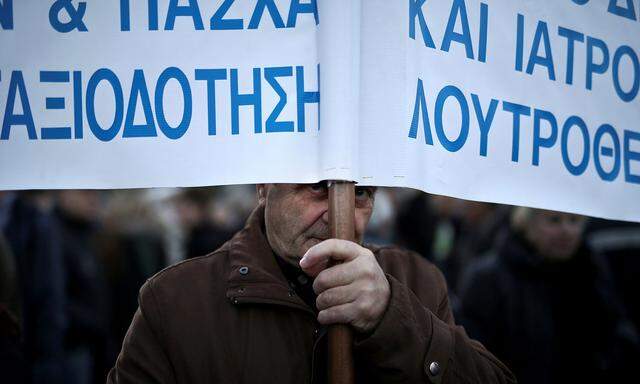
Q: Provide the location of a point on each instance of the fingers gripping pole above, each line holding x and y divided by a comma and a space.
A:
342, 223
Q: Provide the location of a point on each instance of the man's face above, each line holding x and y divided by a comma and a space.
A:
297, 216
555, 235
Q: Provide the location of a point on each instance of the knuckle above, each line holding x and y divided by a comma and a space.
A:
320, 303
330, 316
368, 290
368, 254
333, 244
362, 306
327, 298
348, 315
340, 247
343, 274
319, 284
359, 250
323, 317
369, 272
360, 326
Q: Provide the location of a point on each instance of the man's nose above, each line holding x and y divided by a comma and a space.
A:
569, 228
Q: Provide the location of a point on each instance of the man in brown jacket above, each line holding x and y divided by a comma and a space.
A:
256, 310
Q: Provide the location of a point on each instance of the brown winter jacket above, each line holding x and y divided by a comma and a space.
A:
231, 317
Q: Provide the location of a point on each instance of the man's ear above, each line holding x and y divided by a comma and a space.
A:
261, 191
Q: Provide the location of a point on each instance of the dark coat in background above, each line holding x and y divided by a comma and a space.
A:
549, 322
619, 243
232, 317
35, 242
129, 258
12, 363
87, 301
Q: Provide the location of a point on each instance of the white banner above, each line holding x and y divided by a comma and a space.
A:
521, 102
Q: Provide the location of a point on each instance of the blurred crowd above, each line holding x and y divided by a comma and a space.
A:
555, 296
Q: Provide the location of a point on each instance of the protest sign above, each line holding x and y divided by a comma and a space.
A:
522, 102
531, 102
113, 94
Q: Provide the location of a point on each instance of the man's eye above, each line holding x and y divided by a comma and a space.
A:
362, 192
555, 219
318, 187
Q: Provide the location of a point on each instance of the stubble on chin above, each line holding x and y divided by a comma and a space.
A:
311, 242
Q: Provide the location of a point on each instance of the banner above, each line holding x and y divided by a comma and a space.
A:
529, 103
131, 93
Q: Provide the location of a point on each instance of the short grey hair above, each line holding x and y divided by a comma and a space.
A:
520, 218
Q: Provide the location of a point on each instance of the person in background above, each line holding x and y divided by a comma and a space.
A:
416, 223
619, 243
544, 304
78, 213
451, 232
12, 364
131, 247
34, 240
202, 234
380, 230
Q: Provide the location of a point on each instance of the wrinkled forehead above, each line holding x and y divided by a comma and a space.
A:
320, 184
559, 216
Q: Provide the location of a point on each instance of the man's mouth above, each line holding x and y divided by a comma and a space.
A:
320, 238
314, 240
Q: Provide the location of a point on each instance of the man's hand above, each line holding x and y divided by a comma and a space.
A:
354, 292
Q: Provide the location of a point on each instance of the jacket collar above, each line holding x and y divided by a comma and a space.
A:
254, 275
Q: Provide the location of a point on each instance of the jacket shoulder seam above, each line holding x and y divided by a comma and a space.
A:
182, 263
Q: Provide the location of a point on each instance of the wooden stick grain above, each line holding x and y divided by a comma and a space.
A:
342, 223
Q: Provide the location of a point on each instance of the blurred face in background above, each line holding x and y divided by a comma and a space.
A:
555, 235
297, 216
79, 204
190, 213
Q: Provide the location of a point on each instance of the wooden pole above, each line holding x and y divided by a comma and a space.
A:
342, 223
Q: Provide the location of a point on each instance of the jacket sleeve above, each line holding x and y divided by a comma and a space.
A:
142, 358
413, 343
